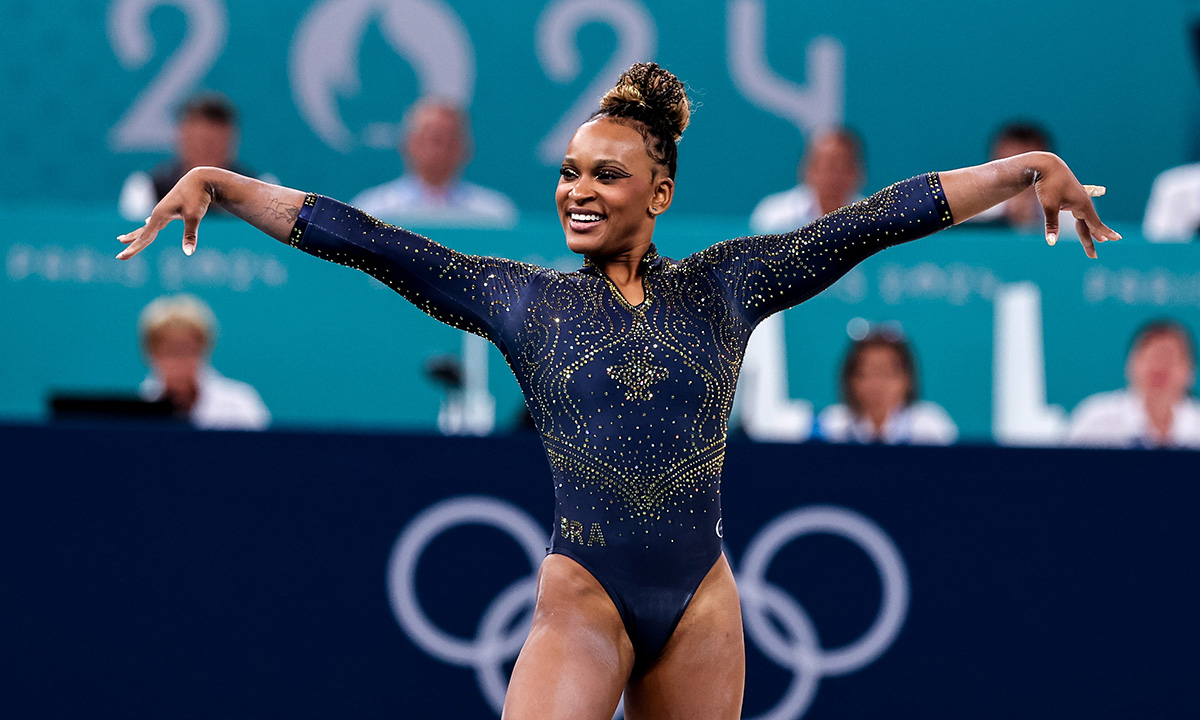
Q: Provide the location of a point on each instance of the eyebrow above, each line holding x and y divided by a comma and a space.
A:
602, 161
612, 161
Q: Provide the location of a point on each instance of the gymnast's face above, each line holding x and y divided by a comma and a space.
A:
610, 191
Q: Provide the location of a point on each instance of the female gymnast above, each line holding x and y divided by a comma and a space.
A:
628, 367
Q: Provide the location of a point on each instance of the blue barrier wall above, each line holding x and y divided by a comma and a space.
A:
153, 572
322, 85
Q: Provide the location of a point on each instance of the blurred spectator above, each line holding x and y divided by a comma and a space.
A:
879, 398
1156, 409
1173, 211
207, 136
436, 146
830, 175
177, 334
1022, 212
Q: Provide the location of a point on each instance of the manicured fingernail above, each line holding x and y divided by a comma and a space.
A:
120, 256
1051, 238
188, 249
1117, 235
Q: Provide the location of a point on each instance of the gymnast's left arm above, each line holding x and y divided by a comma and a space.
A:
768, 273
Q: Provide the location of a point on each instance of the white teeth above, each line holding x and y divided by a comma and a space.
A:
580, 217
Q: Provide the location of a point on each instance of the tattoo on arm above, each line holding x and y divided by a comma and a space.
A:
281, 211
270, 208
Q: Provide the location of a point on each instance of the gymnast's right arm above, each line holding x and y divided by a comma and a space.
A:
466, 291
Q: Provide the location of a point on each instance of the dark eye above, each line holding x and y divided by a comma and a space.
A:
610, 174
567, 173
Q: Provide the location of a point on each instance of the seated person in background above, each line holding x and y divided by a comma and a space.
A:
830, 176
177, 333
1173, 211
1022, 212
879, 399
436, 146
1156, 409
207, 136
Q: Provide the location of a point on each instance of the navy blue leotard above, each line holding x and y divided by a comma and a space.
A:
631, 401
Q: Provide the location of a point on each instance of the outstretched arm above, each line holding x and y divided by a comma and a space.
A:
768, 273
469, 292
970, 191
270, 208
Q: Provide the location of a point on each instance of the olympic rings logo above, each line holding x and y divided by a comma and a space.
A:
774, 621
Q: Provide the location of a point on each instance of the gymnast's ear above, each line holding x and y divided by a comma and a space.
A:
664, 192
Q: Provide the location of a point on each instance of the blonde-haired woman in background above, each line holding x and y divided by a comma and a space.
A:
178, 333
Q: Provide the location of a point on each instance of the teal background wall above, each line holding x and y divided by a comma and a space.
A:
322, 85
925, 83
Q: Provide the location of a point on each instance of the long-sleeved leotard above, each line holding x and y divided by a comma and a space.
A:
631, 401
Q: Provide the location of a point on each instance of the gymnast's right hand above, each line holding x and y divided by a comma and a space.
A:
188, 200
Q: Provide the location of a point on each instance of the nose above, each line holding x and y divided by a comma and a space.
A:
581, 189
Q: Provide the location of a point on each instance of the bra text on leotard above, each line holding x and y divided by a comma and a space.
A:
572, 531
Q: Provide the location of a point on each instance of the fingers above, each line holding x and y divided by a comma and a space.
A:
1087, 222
1098, 230
140, 238
191, 227
137, 240
1087, 213
145, 237
1051, 224
1085, 237
1102, 232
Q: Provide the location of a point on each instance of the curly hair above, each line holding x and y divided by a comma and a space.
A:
651, 100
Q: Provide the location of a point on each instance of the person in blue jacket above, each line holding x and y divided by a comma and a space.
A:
628, 367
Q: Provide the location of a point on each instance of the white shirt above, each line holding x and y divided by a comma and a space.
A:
922, 423
1173, 211
408, 200
788, 210
221, 403
1118, 419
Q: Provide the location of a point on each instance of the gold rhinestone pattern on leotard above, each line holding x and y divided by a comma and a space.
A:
632, 402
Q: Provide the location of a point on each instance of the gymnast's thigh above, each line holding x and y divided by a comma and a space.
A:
701, 673
577, 658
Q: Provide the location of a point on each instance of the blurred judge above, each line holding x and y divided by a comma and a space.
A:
177, 334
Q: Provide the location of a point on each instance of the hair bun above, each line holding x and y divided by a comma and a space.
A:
657, 89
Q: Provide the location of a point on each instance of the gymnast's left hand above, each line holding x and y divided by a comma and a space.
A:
1058, 191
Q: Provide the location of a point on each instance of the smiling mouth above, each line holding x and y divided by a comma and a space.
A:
585, 220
